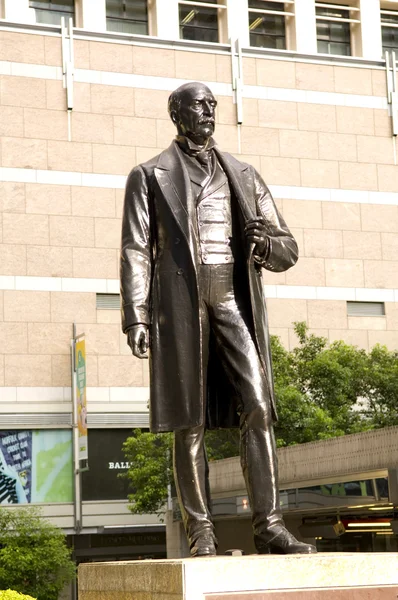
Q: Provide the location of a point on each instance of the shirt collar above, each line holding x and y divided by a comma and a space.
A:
188, 146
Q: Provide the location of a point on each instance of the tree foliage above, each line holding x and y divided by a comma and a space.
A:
150, 470
322, 390
326, 390
34, 557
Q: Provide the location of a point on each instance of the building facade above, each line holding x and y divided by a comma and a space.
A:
306, 94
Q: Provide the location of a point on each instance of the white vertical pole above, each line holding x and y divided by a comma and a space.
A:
167, 22
238, 20
305, 26
371, 29
18, 11
93, 15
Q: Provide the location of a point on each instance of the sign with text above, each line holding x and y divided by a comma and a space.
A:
107, 462
81, 398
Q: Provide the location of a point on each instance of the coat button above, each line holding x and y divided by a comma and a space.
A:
177, 241
180, 272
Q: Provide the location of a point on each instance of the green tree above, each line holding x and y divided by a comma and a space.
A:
34, 557
318, 388
322, 390
150, 470
381, 377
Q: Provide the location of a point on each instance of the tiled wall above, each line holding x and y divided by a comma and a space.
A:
319, 134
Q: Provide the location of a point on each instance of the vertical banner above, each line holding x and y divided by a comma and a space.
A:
79, 403
81, 397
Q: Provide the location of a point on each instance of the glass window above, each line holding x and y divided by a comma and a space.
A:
127, 16
333, 33
348, 493
107, 462
389, 33
267, 30
51, 11
36, 466
199, 23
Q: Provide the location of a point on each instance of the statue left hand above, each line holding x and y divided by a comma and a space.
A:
256, 233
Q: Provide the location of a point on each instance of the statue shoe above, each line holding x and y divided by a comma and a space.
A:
285, 543
205, 545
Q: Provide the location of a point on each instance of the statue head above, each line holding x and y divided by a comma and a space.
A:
192, 109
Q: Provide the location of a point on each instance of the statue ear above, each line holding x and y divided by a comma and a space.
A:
174, 117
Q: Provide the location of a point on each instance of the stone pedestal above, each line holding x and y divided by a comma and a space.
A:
326, 576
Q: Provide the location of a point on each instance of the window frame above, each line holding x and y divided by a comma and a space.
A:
388, 25
221, 18
288, 16
352, 22
66, 14
357, 308
149, 21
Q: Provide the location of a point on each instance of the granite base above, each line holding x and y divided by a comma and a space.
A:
329, 576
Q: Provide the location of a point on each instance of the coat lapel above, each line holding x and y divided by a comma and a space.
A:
235, 171
172, 177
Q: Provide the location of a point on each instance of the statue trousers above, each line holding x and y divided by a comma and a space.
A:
224, 311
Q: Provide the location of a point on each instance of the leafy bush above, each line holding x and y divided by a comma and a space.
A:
34, 557
12, 595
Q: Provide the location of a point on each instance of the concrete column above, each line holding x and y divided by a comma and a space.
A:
93, 15
393, 486
18, 11
305, 26
371, 29
167, 23
238, 21
176, 540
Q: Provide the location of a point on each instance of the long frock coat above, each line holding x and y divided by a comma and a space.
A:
158, 274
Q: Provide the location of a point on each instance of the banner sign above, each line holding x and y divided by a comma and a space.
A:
81, 398
35, 466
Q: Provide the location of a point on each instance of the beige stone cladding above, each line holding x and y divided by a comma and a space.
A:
320, 135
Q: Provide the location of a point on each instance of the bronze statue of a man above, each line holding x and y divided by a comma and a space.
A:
198, 227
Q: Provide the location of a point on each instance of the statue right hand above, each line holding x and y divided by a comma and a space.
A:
138, 340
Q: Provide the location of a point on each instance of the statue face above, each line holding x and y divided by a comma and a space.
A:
196, 118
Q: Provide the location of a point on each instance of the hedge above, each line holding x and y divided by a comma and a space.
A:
11, 595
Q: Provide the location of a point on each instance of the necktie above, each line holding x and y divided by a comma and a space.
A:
204, 159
